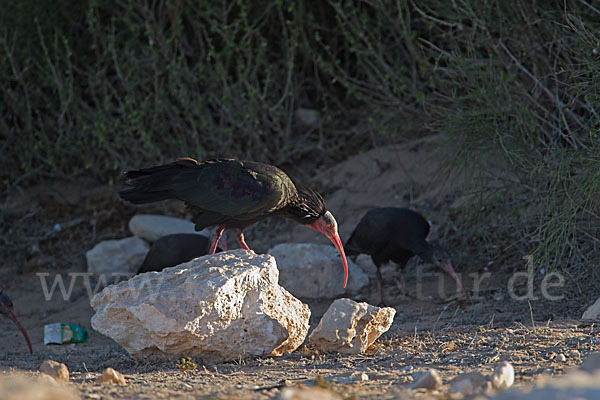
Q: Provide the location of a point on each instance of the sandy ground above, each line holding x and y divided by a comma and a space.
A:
431, 330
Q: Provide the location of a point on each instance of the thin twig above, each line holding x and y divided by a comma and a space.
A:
531, 315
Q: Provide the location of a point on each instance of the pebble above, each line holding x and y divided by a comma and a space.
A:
467, 384
111, 376
561, 358
58, 371
574, 353
503, 376
429, 380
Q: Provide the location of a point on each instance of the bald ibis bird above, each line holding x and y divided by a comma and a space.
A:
7, 309
171, 250
397, 234
229, 193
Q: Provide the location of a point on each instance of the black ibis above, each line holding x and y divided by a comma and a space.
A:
7, 309
397, 234
170, 250
229, 193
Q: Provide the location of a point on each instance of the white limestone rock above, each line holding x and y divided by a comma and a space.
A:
350, 327
315, 271
151, 227
503, 376
218, 307
122, 256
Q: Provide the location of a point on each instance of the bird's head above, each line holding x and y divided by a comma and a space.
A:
6, 309
327, 225
440, 257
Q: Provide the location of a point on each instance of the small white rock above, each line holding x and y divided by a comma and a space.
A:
58, 371
350, 327
429, 380
561, 358
151, 227
111, 376
112, 257
503, 376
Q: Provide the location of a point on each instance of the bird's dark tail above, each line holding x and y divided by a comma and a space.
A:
154, 184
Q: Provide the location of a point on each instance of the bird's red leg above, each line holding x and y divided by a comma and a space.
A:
223, 245
241, 241
215, 239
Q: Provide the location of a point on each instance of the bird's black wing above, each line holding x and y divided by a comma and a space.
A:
231, 188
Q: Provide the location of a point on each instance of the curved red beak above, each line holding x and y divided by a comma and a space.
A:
327, 225
13, 317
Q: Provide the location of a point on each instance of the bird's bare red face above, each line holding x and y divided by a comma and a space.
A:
327, 225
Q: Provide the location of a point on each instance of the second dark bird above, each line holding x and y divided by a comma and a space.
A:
171, 250
228, 193
397, 234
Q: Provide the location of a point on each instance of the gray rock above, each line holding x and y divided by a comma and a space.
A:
117, 256
468, 383
429, 380
307, 117
350, 327
151, 227
315, 271
591, 363
592, 312
220, 307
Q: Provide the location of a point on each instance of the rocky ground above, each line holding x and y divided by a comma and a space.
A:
49, 229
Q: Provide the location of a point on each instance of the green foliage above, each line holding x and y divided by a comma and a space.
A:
522, 77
